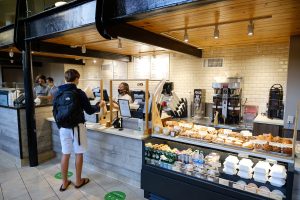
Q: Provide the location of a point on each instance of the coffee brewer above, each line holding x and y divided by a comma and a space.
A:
227, 101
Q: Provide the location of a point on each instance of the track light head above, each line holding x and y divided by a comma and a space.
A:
83, 49
216, 32
251, 28
83, 61
11, 53
186, 36
120, 46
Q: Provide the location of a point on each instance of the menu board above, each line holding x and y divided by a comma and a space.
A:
141, 67
120, 70
160, 67
153, 68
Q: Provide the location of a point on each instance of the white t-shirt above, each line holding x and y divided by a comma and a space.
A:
125, 96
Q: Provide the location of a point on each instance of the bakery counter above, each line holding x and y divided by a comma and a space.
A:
262, 124
221, 147
115, 153
13, 133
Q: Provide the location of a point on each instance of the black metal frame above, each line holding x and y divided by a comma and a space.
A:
177, 186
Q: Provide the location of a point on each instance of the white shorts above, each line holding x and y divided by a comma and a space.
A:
69, 141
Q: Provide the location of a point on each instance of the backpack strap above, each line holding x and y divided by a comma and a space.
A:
78, 134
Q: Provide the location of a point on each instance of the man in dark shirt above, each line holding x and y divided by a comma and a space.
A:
75, 138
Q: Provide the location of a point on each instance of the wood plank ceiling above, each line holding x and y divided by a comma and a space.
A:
93, 40
274, 22
279, 20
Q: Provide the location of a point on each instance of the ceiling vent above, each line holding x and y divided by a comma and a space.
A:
213, 62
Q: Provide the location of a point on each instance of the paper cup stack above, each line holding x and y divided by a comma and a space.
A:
231, 165
261, 171
278, 175
245, 168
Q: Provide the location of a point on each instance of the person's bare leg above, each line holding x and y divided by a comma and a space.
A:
78, 165
64, 169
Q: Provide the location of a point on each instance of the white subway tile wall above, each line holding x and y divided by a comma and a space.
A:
260, 66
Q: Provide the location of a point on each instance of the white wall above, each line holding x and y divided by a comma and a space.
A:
54, 70
260, 66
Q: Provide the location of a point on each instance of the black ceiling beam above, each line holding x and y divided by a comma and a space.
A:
67, 50
138, 34
77, 14
131, 10
112, 17
44, 59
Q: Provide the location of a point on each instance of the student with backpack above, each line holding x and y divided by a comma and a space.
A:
68, 106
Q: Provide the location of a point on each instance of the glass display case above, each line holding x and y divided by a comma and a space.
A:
12, 94
182, 168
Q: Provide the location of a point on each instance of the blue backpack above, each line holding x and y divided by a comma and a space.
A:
67, 109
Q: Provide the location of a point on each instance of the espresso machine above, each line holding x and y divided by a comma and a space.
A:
227, 101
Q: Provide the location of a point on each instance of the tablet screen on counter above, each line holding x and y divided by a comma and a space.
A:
124, 108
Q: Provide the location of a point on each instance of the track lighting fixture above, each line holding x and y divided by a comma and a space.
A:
186, 36
216, 32
83, 49
11, 61
251, 28
83, 61
120, 46
11, 53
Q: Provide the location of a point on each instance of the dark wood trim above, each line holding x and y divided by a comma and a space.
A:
4, 57
67, 50
8, 27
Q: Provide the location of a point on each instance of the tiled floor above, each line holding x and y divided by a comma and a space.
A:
38, 183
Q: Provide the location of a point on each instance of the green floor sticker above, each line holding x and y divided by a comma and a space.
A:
58, 175
116, 195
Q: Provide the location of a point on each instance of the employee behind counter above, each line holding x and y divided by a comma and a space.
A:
41, 92
124, 93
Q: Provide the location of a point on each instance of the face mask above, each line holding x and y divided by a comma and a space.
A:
120, 91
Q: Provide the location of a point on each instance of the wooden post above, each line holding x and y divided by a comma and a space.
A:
110, 103
102, 99
147, 107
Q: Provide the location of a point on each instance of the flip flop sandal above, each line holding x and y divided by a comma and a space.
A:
64, 189
85, 181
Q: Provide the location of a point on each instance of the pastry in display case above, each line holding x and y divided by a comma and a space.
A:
223, 160
264, 143
253, 175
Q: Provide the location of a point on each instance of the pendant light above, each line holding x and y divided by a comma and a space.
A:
216, 32
11, 53
83, 49
120, 46
186, 36
251, 28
